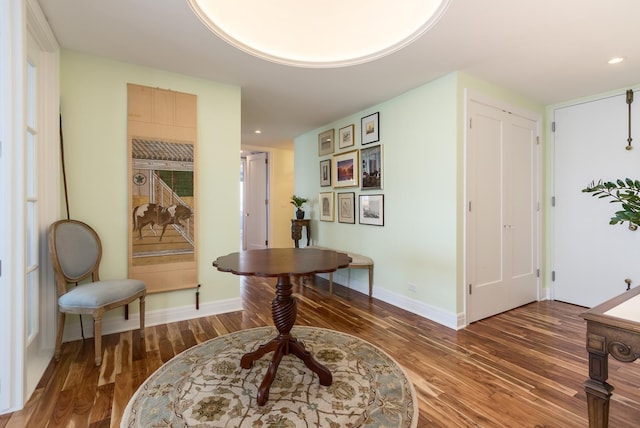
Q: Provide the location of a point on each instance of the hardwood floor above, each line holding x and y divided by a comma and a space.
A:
523, 368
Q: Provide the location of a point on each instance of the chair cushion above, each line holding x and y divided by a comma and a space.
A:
356, 259
101, 293
359, 259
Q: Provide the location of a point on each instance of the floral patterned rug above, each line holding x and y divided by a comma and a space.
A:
205, 386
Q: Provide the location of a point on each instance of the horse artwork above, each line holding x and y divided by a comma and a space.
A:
152, 214
162, 199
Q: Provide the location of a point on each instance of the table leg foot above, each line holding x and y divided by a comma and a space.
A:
297, 349
598, 396
263, 390
247, 359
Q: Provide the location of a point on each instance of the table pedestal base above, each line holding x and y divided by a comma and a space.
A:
283, 345
284, 312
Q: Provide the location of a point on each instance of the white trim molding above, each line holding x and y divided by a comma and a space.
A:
12, 121
452, 320
117, 324
20, 21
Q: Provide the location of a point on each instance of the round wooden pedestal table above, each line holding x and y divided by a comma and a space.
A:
282, 263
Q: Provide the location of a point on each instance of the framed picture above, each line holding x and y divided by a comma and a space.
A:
325, 143
345, 169
347, 207
371, 167
326, 206
372, 209
370, 128
345, 136
325, 173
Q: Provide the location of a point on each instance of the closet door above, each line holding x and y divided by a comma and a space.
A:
591, 259
502, 217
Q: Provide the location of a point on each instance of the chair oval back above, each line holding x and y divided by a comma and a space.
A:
76, 249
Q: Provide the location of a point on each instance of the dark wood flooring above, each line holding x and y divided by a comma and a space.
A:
522, 368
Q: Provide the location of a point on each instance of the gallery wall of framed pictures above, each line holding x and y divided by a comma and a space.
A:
343, 166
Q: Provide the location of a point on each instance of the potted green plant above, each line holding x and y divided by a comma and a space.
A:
626, 192
298, 202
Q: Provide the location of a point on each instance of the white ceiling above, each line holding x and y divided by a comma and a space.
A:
548, 50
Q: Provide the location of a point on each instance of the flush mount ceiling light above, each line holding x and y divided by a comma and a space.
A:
329, 33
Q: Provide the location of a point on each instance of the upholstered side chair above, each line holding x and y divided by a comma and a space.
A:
76, 252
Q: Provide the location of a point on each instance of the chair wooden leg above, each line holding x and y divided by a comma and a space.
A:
330, 282
61, 320
370, 280
97, 337
141, 316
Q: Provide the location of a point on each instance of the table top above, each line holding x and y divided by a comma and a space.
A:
282, 261
621, 312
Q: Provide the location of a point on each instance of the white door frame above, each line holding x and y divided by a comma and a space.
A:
11, 81
19, 18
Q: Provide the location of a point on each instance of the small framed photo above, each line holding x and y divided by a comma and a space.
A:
345, 169
325, 143
372, 209
326, 206
345, 136
371, 167
370, 128
325, 173
347, 207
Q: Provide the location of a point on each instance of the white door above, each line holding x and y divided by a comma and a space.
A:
255, 202
502, 211
592, 258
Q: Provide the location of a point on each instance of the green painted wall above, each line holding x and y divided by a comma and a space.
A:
422, 241
418, 131
94, 111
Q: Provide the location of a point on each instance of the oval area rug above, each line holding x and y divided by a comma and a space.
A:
205, 386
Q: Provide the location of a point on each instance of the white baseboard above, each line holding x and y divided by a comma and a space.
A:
118, 324
447, 319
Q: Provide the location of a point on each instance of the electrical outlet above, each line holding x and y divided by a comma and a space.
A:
412, 287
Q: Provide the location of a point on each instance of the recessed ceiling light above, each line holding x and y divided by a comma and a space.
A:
329, 33
616, 60
257, 131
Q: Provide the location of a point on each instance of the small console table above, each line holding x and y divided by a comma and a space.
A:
296, 230
613, 328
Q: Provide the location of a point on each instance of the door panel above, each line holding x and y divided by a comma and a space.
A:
502, 218
255, 191
487, 202
523, 211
